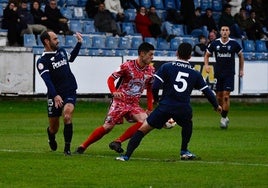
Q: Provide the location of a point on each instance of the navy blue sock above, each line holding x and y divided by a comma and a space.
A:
224, 113
68, 135
134, 142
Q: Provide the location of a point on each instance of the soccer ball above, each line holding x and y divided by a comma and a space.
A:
170, 124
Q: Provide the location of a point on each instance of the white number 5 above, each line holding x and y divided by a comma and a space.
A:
182, 80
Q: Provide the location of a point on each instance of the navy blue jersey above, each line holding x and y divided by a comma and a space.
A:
178, 79
55, 70
225, 55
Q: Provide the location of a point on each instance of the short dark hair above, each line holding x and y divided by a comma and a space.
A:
185, 50
145, 47
43, 36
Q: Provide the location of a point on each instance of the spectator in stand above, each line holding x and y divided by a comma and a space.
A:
143, 22
255, 28
196, 21
227, 19
211, 37
208, 20
92, 7
156, 25
187, 10
38, 15
260, 10
241, 19
56, 21
235, 6
200, 48
105, 22
11, 23
115, 8
126, 4
27, 21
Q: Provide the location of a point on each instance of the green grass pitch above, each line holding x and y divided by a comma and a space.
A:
236, 157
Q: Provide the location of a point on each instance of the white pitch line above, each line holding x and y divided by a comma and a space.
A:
148, 159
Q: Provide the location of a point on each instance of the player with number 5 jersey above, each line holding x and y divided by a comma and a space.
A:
177, 79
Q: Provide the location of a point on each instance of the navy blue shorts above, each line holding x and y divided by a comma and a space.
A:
225, 83
56, 112
162, 113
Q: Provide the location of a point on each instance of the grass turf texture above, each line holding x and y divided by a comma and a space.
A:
236, 157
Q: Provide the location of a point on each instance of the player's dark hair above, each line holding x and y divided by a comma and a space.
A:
43, 36
145, 47
185, 50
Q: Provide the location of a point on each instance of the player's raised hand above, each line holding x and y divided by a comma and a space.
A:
79, 37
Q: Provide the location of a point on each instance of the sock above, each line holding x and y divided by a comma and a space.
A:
50, 135
134, 142
97, 134
186, 133
129, 132
224, 113
68, 135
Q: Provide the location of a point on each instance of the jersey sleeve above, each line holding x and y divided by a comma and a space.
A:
75, 51
44, 73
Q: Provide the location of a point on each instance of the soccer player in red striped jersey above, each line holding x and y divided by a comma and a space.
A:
133, 77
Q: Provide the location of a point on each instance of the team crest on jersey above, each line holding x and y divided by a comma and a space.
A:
218, 47
62, 54
40, 66
52, 59
229, 47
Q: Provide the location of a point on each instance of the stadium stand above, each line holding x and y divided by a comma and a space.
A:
111, 42
128, 27
145, 3
162, 44
174, 43
70, 40
151, 40
87, 41
248, 45
29, 40
98, 41
76, 26
136, 41
124, 43
260, 46
169, 4
88, 27
158, 4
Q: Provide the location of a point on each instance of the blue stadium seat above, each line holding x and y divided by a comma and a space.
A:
174, 43
249, 55
87, 41
39, 42
248, 45
178, 4
189, 40
135, 42
169, 4
132, 53
66, 12
83, 51
120, 52
158, 4
159, 53
70, 40
1, 10
61, 39
196, 3
216, 5
88, 26
145, 3
76, 26
260, 46
29, 40
82, 3
171, 53
94, 52
71, 2
128, 27
107, 52
130, 14
178, 30
37, 50
98, 41
151, 40
162, 44
204, 4
124, 43
260, 56
162, 14
111, 42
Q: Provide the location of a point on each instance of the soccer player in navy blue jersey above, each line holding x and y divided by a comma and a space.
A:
224, 49
177, 79
53, 66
